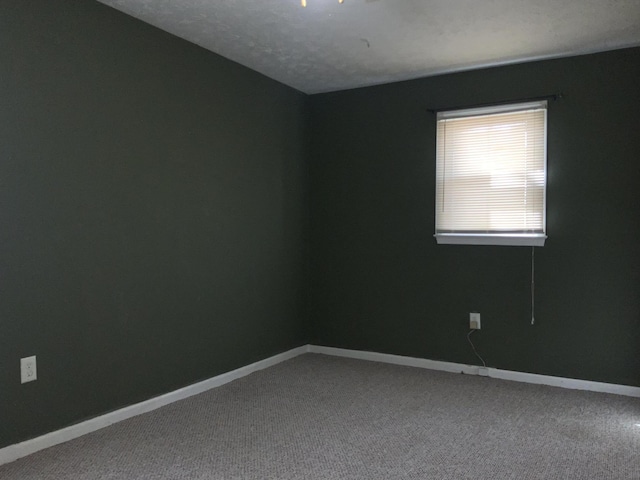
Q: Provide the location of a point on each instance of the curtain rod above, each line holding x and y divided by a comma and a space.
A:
554, 97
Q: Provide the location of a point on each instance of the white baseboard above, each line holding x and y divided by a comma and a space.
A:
19, 450
395, 359
570, 383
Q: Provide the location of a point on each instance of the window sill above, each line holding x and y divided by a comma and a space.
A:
507, 239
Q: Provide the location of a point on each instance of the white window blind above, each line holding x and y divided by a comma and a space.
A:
491, 175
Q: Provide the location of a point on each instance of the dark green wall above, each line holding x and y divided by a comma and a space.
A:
380, 282
155, 203
153, 210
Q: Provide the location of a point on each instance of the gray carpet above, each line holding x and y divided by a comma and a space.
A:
318, 417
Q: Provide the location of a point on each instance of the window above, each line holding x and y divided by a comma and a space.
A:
491, 175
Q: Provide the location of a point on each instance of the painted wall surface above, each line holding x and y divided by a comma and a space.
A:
153, 211
160, 223
380, 282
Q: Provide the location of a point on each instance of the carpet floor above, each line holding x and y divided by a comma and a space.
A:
320, 417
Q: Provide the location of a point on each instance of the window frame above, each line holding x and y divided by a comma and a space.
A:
497, 237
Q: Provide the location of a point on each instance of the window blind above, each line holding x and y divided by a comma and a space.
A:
491, 173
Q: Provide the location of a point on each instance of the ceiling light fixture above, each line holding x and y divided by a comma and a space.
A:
304, 2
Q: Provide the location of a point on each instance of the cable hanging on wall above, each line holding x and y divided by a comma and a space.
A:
474, 348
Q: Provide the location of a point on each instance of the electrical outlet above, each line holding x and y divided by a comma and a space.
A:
28, 371
474, 321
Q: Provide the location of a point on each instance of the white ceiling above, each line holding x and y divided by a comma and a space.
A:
327, 46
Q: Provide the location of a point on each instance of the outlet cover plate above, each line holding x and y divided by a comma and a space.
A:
28, 370
474, 321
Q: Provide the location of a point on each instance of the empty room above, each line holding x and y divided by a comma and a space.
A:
319, 239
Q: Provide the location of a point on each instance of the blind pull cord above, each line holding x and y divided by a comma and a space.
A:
533, 305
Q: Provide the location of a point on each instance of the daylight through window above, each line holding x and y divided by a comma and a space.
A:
491, 175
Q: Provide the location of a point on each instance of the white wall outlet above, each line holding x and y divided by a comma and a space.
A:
28, 371
474, 321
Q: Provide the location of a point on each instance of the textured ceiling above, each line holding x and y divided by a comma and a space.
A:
327, 46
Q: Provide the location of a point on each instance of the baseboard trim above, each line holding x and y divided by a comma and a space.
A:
561, 382
14, 452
